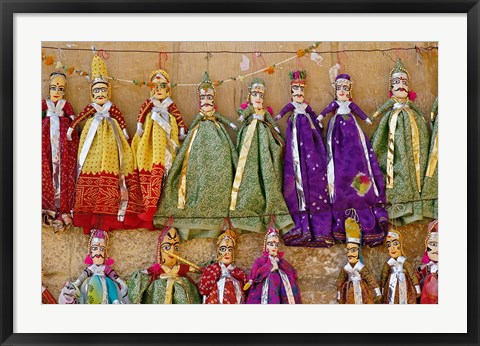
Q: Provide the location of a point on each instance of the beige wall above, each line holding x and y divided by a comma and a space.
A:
135, 249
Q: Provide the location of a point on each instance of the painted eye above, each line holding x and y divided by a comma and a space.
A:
222, 248
166, 247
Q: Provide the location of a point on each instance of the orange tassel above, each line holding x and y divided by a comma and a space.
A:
270, 70
300, 52
71, 69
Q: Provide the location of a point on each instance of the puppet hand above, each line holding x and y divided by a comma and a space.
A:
278, 117
247, 285
139, 132
277, 129
375, 115
368, 121
125, 133
69, 134
234, 127
241, 119
181, 134
72, 117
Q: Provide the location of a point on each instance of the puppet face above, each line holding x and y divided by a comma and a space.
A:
57, 88
256, 97
342, 91
272, 246
100, 93
432, 249
353, 253
207, 100
298, 92
98, 250
225, 251
161, 89
170, 243
400, 85
394, 247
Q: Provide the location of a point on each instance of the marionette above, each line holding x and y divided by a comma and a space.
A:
222, 282
107, 193
166, 281
257, 186
272, 279
197, 190
399, 283
47, 297
305, 171
159, 128
98, 283
59, 156
427, 273
355, 181
356, 284
401, 144
430, 183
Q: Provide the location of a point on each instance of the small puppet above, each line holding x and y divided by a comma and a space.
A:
198, 187
305, 171
159, 128
401, 144
107, 193
59, 156
399, 283
427, 273
98, 283
166, 281
272, 279
355, 181
356, 284
222, 282
257, 186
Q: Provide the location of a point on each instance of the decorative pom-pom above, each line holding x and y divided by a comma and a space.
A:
244, 105
270, 70
300, 53
71, 70
110, 261
49, 60
412, 95
88, 260
270, 110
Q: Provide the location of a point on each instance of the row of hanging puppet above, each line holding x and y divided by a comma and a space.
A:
272, 280
310, 187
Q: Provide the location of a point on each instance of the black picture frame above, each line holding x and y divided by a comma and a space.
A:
7, 175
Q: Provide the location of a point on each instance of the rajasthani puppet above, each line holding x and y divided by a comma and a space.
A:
98, 283
197, 190
356, 284
257, 187
222, 282
166, 281
272, 279
355, 181
401, 144
427, 273
108, 193
59, 156
399, 283
430, 183
159, 128
305, 171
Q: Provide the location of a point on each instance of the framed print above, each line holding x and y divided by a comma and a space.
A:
151, 151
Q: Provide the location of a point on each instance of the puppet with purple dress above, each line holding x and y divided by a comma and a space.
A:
272, 279
305, 171
355, 181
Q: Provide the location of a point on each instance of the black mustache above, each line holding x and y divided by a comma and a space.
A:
98, 256
401, 89
298, 95
206, 104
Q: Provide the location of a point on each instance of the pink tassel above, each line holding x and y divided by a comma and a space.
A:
88, 260
155, 268
244, 105
109, 261
412, 95
270, 110
390, 94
